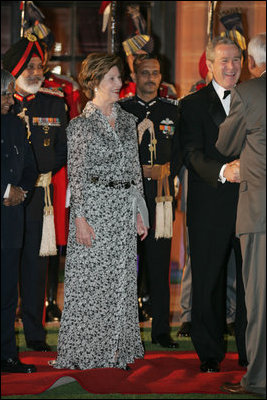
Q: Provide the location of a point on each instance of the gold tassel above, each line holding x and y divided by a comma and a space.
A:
48, 244
168, 223
159, 231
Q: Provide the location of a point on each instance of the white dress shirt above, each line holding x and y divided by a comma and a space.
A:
226, 105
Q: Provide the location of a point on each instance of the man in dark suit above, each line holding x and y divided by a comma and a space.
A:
18, 176
244, 132
43, 111
211, 205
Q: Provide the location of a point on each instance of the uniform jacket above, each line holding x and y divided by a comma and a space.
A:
18, 168
209, 202
60, 179
244, 132
163, 113
48, 120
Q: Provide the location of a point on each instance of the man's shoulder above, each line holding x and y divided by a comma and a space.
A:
169, 101
196, 97
11, 118
129, 104
12, 126
49, 93
251, 84
126, 100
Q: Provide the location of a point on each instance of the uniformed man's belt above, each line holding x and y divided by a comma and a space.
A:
44, 179
111, 184
156, 171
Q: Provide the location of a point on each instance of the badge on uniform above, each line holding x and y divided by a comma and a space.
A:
166, 127
45, 121
46, 142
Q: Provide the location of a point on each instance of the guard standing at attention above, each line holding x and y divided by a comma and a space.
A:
43, 111
71, 92
157, 125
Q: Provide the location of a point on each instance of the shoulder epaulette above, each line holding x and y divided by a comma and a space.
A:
170, 101
124, 99
53, 92
184, 96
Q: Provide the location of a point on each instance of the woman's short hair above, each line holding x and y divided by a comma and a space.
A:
94, 68
6, 78
210, 49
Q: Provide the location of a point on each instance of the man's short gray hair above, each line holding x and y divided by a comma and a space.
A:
6, 78
210, 49
257, 48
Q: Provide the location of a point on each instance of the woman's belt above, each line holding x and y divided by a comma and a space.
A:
111, 184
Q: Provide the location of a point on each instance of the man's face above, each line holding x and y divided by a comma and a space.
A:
7, 98
226, 67
31, 78
147, 78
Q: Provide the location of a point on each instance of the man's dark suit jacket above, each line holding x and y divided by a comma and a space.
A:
18, 168
244, 131
210, 203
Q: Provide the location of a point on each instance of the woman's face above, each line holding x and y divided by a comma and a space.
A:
7, 98
109, 87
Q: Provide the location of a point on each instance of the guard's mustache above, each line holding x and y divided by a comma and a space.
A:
37, 78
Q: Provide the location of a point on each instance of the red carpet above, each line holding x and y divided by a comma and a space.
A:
160, 372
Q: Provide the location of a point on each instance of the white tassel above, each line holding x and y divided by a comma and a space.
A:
48, 244
168, 223
159, 231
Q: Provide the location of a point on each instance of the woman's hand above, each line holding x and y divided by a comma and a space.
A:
84, 232
141, 228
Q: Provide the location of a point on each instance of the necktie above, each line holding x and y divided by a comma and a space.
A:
226, 93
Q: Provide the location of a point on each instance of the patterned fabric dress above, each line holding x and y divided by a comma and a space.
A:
99, 324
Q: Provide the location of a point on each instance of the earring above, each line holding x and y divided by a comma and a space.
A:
95, 90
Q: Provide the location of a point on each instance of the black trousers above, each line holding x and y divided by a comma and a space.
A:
154, 256
209, 251
9, 299
33, 282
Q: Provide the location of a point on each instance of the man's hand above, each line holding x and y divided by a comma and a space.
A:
84, 232
16, 196
141, 228
232, 171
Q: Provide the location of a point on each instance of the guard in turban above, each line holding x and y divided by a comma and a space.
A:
16, 59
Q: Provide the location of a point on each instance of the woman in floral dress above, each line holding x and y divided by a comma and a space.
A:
100, 325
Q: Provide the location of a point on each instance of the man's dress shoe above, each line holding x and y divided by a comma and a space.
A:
230, 329
16, 366
38, 346
185, 330
52, 313
235, 388
243, 362
165, 341
210, 366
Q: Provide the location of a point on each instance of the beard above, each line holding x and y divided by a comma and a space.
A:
26, 85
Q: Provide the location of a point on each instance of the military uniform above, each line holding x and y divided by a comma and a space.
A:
45, 117
154, 254
71, 93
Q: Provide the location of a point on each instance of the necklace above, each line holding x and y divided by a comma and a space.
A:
113, 115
